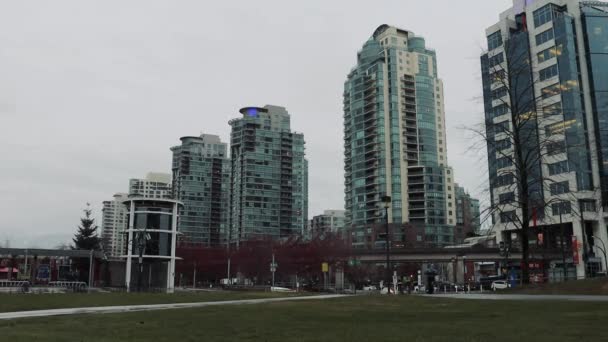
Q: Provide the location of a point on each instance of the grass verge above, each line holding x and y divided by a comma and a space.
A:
359, 318
25, 302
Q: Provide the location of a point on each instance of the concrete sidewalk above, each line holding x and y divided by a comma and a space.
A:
490, 296
150, 307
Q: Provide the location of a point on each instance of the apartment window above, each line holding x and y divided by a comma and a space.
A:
500, 110
561, 207
556, 147
558, 168
506, 198
507, 216
544, 37
502, 144
503, 162
551, 90
559, 188
546, 54
496, 60
588, 206
501, 127
503, 180
548, 72
499, 93
494, 40
543, 15
553, 109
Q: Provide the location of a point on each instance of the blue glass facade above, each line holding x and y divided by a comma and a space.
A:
574, 124
595, 28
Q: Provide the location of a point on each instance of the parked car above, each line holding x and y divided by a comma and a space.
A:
370, 288
499, 285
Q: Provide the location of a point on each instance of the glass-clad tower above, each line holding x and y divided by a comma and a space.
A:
201, 181
269, 184
547, 66
395, 139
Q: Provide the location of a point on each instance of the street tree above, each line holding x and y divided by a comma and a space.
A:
86, 236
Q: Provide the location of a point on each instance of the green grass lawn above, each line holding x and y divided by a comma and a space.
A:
23, 302
597, 286
360, 318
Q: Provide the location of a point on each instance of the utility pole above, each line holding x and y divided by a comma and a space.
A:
90, 269
273, 268
228, 253
561, 225
387, 202
194, 277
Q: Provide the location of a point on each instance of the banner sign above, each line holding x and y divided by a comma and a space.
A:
44, 273
575, 253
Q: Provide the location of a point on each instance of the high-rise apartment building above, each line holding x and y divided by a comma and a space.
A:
468, 220
545, 82
395, 140
114, 225
201, 179
155, 185
331, 221
269, 190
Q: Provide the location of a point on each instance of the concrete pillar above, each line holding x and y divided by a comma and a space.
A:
171, 266
600, 231
130, 245
577, 231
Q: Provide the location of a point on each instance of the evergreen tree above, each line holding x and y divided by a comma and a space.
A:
86, 237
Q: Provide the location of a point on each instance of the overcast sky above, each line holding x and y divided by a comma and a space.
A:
93, 93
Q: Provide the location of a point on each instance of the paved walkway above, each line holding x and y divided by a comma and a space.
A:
150, 307
480, 296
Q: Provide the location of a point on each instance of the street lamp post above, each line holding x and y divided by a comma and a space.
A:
464, 270
387, 203
561, 226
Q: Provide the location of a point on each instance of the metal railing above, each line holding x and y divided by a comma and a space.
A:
76, 286
14, 283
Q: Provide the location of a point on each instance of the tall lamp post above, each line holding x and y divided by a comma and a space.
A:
386, 200
563, 242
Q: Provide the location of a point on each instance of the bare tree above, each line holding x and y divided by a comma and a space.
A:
524, 128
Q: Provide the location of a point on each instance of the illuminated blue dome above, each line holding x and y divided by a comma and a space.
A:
253, 111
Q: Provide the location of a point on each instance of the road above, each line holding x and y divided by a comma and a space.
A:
150, 307
480, 296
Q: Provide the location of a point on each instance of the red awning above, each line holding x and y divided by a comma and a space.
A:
5, 270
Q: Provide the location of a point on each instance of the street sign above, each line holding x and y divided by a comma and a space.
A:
324, 267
